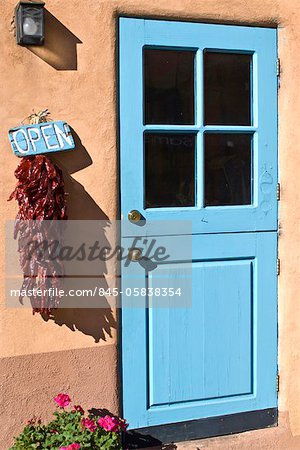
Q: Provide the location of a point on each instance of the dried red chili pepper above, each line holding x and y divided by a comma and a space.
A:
41, 197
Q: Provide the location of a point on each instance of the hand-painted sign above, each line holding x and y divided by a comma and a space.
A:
48, 137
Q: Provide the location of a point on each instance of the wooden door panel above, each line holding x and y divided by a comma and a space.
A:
212, 352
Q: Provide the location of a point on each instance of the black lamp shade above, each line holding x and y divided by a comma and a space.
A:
30, 23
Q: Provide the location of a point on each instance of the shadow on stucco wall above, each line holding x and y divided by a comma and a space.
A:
134, 440
60, 47
97, 320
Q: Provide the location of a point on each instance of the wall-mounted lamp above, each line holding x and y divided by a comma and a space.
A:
30, 23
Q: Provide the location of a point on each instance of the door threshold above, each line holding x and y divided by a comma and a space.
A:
199, 429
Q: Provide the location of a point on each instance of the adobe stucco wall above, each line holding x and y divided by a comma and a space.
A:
74, 75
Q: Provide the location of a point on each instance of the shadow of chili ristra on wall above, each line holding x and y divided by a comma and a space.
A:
98, 319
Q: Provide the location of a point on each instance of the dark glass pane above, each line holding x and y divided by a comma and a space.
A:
227, 89
169, 170
227, 169
169, 86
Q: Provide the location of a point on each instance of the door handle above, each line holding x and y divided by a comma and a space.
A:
134, 254
134, 216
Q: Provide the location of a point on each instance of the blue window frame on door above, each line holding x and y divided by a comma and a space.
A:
198, 143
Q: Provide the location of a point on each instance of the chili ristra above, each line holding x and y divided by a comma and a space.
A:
41, 197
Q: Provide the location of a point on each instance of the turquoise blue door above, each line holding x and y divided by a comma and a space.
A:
198, 163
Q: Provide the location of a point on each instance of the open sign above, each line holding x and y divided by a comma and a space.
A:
49, 137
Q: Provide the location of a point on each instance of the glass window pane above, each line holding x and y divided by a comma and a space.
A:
227, 169
169, 86
227, 88
169, 170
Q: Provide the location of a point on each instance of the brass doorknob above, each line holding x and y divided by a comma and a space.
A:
134, 254
134, 216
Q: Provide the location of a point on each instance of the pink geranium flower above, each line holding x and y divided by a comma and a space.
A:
71, 447
89, 424
78, 408
109, 423
62, 400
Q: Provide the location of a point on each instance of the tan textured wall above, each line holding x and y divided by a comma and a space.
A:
74, 76
28, 383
